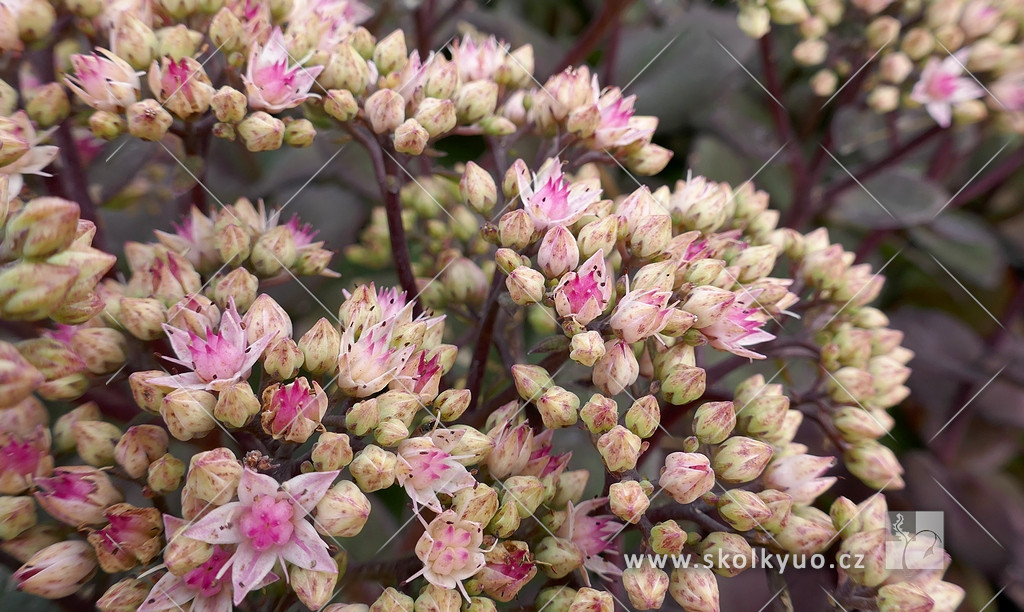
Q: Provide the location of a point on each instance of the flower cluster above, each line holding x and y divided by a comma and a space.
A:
958, 59
200, 443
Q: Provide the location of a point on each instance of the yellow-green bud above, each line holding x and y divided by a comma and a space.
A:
644, 416
261, 132
695, 589
164, 474
105, 125
437, 116
385, 110
451, 403
143, 317
391, 54
138, 447
299, 133
148, 120
411, 138
628, 500
713, 422
505, 521
17, 514
188, 413
744, 510
740, 459
558, 407
558, 557
619, 448
48, 105
475, 100
527, 492
374, 468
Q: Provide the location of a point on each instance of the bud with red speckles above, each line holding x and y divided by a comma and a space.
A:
617, 369
558, 557
695, 589
741, 459
628, 500
373, 468
687, 476
342, 511
17, 514
124, 596
261, 132
164, 474
875, 464
188, 413
619, 448
646, 586
558, 407
138, 447
214, 475
57, 570
95, 440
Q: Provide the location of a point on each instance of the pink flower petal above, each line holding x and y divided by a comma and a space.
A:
188, 380
253, 485
308, 550
249, 568
306, 490
172, 524
221, 602
169, 593
219, 526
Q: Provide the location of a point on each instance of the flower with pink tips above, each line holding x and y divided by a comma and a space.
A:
32, 161
593, 535
550, 199
478, 60
23, 458
106, 83
942, 85
800, 476
740, 327
269, 81
217, 361
268, 524
619, 127
584, 294
367, 362
425, 470
204, 586
450, 551
641, 314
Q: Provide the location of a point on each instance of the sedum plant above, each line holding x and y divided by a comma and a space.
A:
566, 374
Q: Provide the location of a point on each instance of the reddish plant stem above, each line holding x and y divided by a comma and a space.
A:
475, 377
606, 18
389, 179
423, 18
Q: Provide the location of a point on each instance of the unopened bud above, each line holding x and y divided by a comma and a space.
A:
558, 557
391, 54
644, 416
299, 133
164, 474
58, 570
744, 510
239, 285
95, 440
373, 468
695, 589
437, 116
740, 459
148, 120
619, 448
411, 137
558, 407
385, 110
505, 521
451, 403
343, 511
139, 446
713, 422
874, 464
261, 132
869, 547
628, 500
188, 413
126, 595
341, 104
475, 100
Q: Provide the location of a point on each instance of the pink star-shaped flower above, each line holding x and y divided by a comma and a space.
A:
268, 524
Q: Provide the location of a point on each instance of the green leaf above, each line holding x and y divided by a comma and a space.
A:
893, 199
966, 245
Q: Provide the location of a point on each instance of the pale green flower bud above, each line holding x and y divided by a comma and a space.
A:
729, 553
558, 407
684, 385
531, 381
239, 284
475, 100
35, 20
556, 598
754, 20
105, 125
391, 54
600, 414
619, 448
31, 291
314, 588
373, 468
143, 317
644, 416
48, 105
628, 500
806, 531
299, 133
869, 548
226, 31
599, 235
188, 413
411, 138
874, 464
261, 132
343, 511
164, 474
558, 557
713, 422
236, 405
124, 596
341, 104
477, 188
527, 492
505, 521
903, 597
148, 120
646, 586
385, 110
17, 515
346, 70
780, 504
740, 459
695, 589
586, 348
442, 79
437, 116
138, 447
592, 600
478, 504
515, 229
744, 510
649, 160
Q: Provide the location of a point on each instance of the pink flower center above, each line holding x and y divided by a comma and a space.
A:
942, 85
268, 523
292, 402
204, 578
553, 198
67, 486
517, 568
215, 358
583, 288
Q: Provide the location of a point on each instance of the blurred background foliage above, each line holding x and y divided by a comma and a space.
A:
940, 212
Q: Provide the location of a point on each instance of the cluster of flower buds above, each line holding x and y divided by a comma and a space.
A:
904, 573
959, 59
